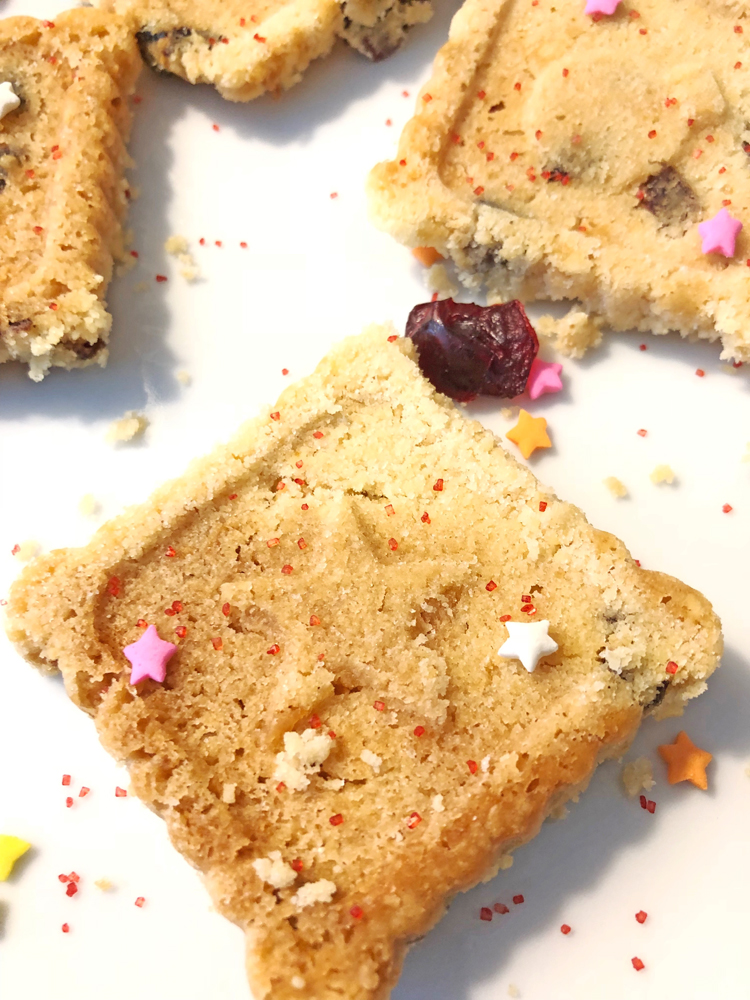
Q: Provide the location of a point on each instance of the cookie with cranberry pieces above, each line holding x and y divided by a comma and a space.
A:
64, 89
348, 732
556, 154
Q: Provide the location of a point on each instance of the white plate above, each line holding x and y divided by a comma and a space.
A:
314, 271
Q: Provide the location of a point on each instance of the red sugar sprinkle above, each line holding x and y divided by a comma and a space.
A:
637, 964
30, 175
419, 730
66, 779
297, 864
280, 787
699, 372
642, 432
565, 928
528, 609
727, 508
161, 277
215, 127
565, 72
490, 156
258, 38
481, 94
414, 820
74, 877
643, 801
392, 544
357, 912
218, 243
225, 609
274, 649
389, 510
516, 86
242, 22
518, 900
438, 487
217, 643
652, 134
243, 244
691, 121
472, 766
113, 586
485, 913
66, 928
738, 29
504, 618
333, 194
538, 134
379, 706
479, 190
302, 543
180, 631
642, 31
641, 916
83, 792
672, 667
271, 542
651, 806
402, 163
314, 620
336, 820
71, 889
68, 802
305, 506
318, 434
644, 347
542, 505
634, 13
404, 93
426, 518
170, 612
727, 201
63, 878
170, 553
513, 156
426, 98
738, 65
500, 908
202, 241
275, 415
490, 586
315, 722
388, 121
525, 598
48, 24
140, 901
232, 496
286, 570
120, 793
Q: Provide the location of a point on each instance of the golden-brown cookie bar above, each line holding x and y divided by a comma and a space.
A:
63, 194
337, 744
245, 49
556, 155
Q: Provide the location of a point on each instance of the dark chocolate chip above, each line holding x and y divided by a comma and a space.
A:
670, 198
157, 46
497, 107
82, 349
21, 325
659, 696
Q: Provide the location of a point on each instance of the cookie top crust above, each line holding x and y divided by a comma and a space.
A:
337, 744
62, 185
556, 155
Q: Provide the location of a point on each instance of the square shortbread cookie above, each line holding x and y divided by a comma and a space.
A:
337, 745
63, 194
245, 49
555, 155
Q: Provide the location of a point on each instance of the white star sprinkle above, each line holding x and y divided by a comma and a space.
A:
527, 642
9, 100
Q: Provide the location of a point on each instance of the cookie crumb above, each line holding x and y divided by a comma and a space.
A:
25, 551
175, 245
131, 426
438, 807
183, 377
505, 862
141, 286
573, 334
615, 486
513, 991
298, 982
188, 268
439, 280
662, 474
301, 756
88, 505
314, 892
637, 775
228, 792
372, 759
510, 412
104, 884
274, 871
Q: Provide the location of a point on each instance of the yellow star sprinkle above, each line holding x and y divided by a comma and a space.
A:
529, 433
686, 761
11, 849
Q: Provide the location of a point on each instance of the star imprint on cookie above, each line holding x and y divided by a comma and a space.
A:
9, 100
529, 433
149, 656
11, 849
601, 6
543, 377
718, 235
527, 642
685, 761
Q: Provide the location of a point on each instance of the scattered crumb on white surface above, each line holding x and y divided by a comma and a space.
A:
510, 412
88, 505
637, 776
130, 426
321, 891
746, 456
25, 551
141, 286
662, 474
126, 264
505, 862
513, 990
175, 245
184, 377
189, 270
615, 486
730, 370
438, 279
572, 334
104, 884
559, 812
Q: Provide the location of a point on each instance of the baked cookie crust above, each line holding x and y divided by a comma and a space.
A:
558, 156
63, 192
337, 746
245, 49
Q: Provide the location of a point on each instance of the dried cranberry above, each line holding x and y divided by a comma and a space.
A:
467, 350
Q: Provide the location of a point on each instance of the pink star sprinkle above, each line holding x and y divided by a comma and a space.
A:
719, 234
601, 6
149, 656
543, 377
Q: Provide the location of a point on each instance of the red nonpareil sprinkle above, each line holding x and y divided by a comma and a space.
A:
232, 496
170, 611
305, 506
644, 347
726, 201
379, 706
640, 195
389, 509
314, 620
243, 244
218, 243
217, 642
140, 901
727, 508
297, 864
481, 94
161, 277
242, 22
414, 820
642, 31
177, 607
643, 801
274, 649
57, 155
318, 435
691, 122
392, 544
333, 194
513, 156
357, 912
71, 889
83, 792
113, 586
438, 487
388, 121
426, 518
68, 802
225, 609
120, 793
472, 766
651, 806
336, 820
542, 505
637, 964
738, 29
202, 241
518, 900
66, 779
479, 190
490, 586
485, 913
315, 722
516, 86
709, 138
490, 156
302, 543
272, 542
215, 127
419, 730
284, 371
699, 372
738, 65
641, 916
652, 134
134, 253
525, 598
66, 928
275, 415
287, 569
258, 38
538, 134
180, 631
642, 432
672, 667
427, 98
402, 163
280, 787
505, 618
500, 908
565, 928
38, 229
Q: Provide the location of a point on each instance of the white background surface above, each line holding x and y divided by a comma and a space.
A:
315, 271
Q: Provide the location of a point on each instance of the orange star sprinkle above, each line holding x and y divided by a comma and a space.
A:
529, 433
686, 761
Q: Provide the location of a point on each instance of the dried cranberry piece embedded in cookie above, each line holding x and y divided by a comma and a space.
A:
467, 350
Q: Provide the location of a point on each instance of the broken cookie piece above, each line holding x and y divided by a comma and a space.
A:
338, 580
63, 194
556, 155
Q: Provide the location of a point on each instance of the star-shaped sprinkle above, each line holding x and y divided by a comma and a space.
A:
543, 377
9, 100
601, 6
718, 235
686, 761
11, 849
529, 433
149, 656
527, 642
